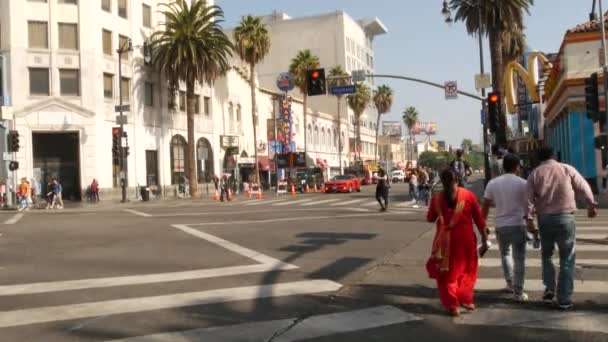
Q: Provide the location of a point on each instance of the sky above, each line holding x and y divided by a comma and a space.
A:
420, 44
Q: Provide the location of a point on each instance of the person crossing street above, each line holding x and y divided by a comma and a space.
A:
382, 189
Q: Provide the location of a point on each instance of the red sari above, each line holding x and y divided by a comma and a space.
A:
453, 262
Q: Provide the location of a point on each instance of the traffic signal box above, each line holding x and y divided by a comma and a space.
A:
592, 99
315, 82
12, 141
115, 145
493, 112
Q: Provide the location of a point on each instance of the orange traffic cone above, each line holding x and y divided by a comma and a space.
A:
260, 195
323, 188
307, 188
216, 197
316, 190
293, 190
248, 194
230, 195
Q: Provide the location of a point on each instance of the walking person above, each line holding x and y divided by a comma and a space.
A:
552, 187
508, 193
95, 191
461, 168
382, 188
414, 187
24, 194
223, 188
2, 193
453, 262
57, 195
50, 193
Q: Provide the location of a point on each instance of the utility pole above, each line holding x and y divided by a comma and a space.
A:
122, 160
604, 67
486, 156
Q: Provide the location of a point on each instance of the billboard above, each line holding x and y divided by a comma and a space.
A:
428, 128
391, 128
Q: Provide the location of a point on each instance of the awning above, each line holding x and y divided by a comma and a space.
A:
263, 163
322, 163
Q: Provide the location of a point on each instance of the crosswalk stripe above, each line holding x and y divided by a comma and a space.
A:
320, 202
536, 285
578, 236
292, 202
259, 202
579, 248
347, 202
370, 204
123, 306
496, 262
312, 327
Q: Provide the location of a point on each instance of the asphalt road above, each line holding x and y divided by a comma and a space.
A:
315, 267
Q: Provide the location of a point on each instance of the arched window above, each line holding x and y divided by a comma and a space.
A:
344, 142
204, 160
179, 162
335, 140
323, 146
230, 127
309, 136
316, 137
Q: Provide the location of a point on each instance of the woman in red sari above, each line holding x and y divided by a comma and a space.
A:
453, 262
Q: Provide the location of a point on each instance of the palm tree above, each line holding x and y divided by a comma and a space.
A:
192, 48
496, 18
252, 44
410, 118
338, 77
301, 63
467, 145
383, 99
513, 43
358, 102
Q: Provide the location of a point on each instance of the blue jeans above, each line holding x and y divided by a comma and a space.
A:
558, 229
513, 238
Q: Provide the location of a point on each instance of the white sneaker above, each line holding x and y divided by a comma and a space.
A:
416, 206
520, 297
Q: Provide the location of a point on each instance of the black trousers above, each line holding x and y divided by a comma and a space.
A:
382, 194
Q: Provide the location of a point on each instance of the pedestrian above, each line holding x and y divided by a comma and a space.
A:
24, 194
50, 195
382, 188
508, 193
552, 187
223, 188
453, 262
414, 186
57, 195
461, 168
94, 191
2, 193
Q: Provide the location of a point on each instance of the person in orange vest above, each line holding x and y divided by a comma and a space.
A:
25, 194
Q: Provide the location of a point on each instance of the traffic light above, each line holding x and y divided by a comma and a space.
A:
315, 82
115, 144
600, 141
13, 141
592, 100
493, 112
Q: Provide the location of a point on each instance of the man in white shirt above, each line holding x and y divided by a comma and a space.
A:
508, 194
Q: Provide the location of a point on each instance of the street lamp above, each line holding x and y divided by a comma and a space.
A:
448, 19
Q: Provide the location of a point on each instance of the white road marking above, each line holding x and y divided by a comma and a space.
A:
347, 202
312, 327
370, 204
495, 262
361, 210
286, 219
138, 213
292, 202
123, 306
579, 248
536, 285
578, 236
320, 202
14, 219
259, 202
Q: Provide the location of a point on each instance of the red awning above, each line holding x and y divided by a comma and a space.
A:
321, 163
263, 163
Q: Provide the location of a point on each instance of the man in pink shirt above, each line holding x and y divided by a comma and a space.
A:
552, 189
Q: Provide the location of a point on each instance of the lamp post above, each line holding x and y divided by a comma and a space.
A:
448, 19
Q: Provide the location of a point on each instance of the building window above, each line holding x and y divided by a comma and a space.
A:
149, 94
123, 43
68, 36
106, 5
125, 84
108, 86
122, 8
207, 105
106, 37
179, 163
38, 34
197, 104
182, 101
238, 114
72, 2
147, 15
171, 98
69, 82
39, 81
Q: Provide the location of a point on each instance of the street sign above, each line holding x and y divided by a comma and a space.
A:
121, 120
285, 82
451, 90
125, 108
482, 81
483, 117
358, 75
341, 90
6, 156
229, 141
232, 151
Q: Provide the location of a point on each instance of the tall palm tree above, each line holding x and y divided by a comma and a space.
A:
358, 102
513, 43
252, 44
191, 47
496, 17
383, 99
337, 77
410, 118
302, 62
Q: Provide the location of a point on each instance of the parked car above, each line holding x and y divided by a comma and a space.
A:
310, 176
398, 176
343, 183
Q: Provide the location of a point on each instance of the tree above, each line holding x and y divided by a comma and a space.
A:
301, 63
467, 145
513, 43
383, 99
337, 77
358, 102
191, 47
252, 44
410, 118
496, 18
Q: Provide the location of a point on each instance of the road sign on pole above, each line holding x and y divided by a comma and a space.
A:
285, 82
341, 90
125, 108
358, 75
451, 90
482, 81
121, 120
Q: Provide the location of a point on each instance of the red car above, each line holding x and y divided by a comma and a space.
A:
343, 183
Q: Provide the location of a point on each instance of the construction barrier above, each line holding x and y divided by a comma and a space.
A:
282, 188
216, 197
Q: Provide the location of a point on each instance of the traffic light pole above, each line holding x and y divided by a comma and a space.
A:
486, 155
605, 68
122, 162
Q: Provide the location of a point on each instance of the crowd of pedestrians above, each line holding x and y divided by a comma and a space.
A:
546, 197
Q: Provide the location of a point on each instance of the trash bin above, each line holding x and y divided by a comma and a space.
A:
145, 194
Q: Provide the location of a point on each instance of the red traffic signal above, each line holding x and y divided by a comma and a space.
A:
116, 131
314, 75
493, 98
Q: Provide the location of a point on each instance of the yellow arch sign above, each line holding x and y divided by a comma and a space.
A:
529, 78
